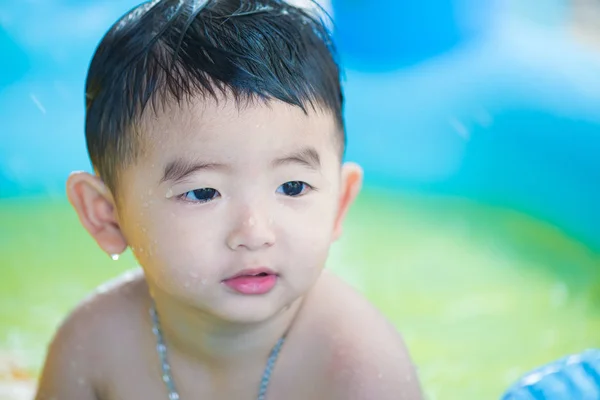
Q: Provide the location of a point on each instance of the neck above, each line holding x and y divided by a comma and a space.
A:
197, 334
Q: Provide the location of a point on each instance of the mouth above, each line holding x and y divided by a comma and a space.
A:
252, 281
255, 272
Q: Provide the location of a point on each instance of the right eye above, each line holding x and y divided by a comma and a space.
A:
203, 195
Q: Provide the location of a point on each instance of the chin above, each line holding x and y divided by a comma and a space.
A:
252, 309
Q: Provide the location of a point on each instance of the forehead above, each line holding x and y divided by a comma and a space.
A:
225, 129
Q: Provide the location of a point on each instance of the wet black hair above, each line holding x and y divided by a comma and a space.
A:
174, 50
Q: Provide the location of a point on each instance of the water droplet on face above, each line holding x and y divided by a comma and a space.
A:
115, 257
193, 275
169, 194
251, 222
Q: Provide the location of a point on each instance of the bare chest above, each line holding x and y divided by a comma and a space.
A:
292, 379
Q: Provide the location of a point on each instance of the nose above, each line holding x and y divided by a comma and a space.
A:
252, 230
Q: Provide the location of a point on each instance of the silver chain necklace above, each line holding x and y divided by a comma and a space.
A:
167, 378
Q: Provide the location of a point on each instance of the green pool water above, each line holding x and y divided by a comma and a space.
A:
481, 294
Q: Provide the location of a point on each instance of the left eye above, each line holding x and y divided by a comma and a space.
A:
293, 188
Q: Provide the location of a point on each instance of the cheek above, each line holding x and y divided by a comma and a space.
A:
312, 233
173, 250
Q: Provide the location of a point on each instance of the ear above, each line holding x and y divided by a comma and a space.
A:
95, 207
352, 178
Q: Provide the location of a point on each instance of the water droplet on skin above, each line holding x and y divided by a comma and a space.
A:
251, 222
169, 194
193, 275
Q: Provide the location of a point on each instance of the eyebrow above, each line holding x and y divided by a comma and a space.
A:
179, 169
308, 157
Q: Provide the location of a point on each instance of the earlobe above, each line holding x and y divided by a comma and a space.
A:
352, 178
95, 208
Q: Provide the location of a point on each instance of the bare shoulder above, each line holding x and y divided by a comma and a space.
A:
368, 357
84, 343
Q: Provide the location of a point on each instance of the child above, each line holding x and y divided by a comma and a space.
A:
216, 133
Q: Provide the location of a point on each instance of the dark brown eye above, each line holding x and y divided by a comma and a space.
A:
201, 195
293, 188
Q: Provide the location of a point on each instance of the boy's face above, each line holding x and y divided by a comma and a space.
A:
220, 189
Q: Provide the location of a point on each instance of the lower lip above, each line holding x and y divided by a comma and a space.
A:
252, 284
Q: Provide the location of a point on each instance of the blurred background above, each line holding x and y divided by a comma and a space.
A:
477, 123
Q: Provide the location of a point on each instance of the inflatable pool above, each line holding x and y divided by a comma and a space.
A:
477, 231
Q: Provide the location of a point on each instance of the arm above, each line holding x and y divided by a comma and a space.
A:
66, 372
